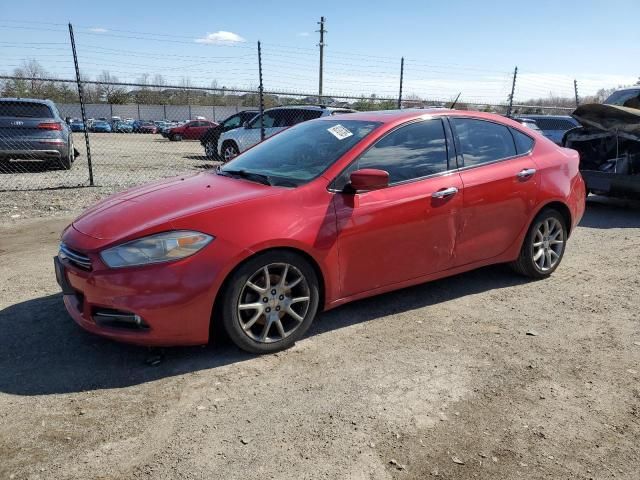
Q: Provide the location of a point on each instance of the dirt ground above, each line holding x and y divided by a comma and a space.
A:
436, 381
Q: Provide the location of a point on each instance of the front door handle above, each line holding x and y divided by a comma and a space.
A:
526, 173
445, 192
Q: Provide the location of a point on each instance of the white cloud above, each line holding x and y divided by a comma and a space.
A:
303, 34
98, 30
220, 37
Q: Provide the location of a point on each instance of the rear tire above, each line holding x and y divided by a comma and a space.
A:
260, 321
67, 162
543, 246
210, 150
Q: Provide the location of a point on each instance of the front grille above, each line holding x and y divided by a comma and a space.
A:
73, 257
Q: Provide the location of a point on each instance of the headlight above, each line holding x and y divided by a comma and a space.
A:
162, 247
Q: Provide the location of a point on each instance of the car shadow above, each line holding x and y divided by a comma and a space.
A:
42, 351
603, 212
200, 158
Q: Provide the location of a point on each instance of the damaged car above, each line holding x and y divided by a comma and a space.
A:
608, 141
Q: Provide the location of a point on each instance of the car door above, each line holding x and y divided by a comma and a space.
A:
500, 183
408, 229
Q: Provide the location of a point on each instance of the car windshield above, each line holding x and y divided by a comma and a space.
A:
625, 98
301, 153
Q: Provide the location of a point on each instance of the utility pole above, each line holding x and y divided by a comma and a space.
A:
401, 78
575, 89
513, 92
82, 109
321, 45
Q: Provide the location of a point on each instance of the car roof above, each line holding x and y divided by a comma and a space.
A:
626, 89
26, 100
306, 107
538, 116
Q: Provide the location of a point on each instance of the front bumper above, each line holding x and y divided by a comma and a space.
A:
174, 300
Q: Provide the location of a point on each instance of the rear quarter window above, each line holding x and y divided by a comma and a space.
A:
25, 109
524, 143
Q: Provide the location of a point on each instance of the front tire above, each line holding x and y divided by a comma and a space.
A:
229, 151
270, 302
210, 150
543, 246
176, 137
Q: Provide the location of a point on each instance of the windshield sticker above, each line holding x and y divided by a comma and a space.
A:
339, 132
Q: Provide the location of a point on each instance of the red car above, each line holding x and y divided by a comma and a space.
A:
326, 212
192, 130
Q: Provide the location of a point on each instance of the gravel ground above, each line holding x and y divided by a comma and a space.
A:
119, 160
435, 381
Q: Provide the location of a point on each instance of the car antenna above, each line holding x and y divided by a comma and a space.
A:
455, 101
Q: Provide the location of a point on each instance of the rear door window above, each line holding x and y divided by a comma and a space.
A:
483, 141
25, 109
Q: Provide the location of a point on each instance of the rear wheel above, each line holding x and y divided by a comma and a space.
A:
543, 246
270, 302
67, 161
210, 149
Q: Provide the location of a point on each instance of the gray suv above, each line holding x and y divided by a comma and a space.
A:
34, 130
236, 141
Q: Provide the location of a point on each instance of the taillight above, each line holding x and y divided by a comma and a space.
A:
49, 126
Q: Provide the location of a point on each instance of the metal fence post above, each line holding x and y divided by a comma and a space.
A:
401, 79
261, 92
82, 109
513, 91
575, 89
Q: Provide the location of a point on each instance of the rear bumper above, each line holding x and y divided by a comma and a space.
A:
33, 154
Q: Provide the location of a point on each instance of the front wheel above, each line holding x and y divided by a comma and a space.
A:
543, 246
270, 302
229, 151
176, 137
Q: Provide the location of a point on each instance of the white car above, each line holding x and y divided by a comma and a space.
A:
236, 141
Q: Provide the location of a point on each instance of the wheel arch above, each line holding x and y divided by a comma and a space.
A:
562, 208
214, 323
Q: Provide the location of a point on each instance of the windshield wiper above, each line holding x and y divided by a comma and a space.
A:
251, 176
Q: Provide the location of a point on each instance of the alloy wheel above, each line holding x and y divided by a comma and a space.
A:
273, 303
229, 153
548, 244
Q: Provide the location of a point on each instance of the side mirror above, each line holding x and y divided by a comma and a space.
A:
246, 124
368, 179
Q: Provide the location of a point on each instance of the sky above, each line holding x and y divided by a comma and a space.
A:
449, 47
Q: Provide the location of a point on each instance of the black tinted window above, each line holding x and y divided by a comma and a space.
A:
482, 141
555, 124
413, 151
25, 109
524, 143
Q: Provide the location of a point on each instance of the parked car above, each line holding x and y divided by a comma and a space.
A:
608, 140
209, 139
34, 130
101, 126
276, 119
553, 126
329, 211
122, 127
76, 125
146, 127
529, 124
192, 130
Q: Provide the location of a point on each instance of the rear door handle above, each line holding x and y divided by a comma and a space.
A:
445, 192
526, 173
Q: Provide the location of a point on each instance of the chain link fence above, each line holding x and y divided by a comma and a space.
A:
99, 130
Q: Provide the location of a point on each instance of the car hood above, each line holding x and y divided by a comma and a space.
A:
610, 118
155, 205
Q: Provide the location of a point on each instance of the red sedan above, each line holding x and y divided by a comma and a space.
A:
192, 130
326, 212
